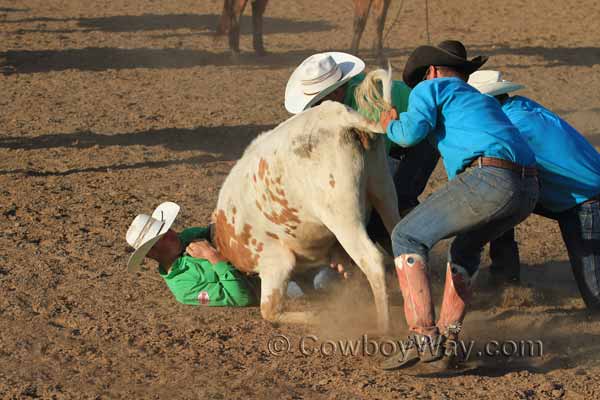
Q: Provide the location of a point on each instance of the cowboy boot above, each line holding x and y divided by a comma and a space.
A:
505, 267
457, 294
424, 343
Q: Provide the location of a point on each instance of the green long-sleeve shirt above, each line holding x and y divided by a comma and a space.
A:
197, 281
400, 93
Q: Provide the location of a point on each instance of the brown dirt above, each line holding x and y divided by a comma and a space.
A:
110, 107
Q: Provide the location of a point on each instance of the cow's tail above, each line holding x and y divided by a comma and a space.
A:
374, 94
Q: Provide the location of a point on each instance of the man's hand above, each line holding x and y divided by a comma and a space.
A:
340, 261
203, 249
386, 117
340, 270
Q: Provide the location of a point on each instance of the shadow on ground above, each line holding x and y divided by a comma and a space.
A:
227, 143
104, 58
154, 22
197, 160
211, 139
555, 56
11, 9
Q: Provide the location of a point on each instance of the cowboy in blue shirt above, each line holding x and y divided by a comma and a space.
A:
569, 173
492, 187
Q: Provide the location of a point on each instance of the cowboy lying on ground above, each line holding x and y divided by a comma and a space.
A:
194, 271
569, 173
335, 76
496, 188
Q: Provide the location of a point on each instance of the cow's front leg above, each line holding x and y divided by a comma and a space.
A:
274, 275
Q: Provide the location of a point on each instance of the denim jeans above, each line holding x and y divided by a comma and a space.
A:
475, 207
580, 229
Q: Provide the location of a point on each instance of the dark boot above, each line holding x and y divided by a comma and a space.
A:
417, 348
506, 266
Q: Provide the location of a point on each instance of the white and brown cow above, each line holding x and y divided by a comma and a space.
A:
298, 191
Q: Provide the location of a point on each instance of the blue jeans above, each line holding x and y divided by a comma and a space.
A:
580, 229
475, 207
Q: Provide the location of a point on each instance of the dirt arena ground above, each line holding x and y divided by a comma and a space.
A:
110, 107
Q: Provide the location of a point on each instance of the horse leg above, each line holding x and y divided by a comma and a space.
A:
258, 9
361, 12
235, 8
380, 12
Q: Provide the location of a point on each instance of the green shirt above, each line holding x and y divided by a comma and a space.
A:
197, 281
400, 93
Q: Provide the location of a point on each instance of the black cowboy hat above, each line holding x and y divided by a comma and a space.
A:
449, 53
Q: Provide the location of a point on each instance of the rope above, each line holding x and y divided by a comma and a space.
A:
427, 21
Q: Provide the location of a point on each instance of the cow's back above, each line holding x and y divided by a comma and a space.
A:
272, 196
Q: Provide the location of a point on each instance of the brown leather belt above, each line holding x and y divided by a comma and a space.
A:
504, 164
592, 199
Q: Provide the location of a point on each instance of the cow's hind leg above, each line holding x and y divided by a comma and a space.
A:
381, 190
275, 271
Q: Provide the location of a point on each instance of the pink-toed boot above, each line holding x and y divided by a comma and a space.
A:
424, 343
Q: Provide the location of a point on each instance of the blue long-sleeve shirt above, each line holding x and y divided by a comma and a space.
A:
568, 165
461, 122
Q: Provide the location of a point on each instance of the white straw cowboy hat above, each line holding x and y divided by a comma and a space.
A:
146, 230
318, 76
491, 83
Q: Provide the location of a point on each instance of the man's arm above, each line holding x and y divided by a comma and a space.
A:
203, 249
418, 121
208, 279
